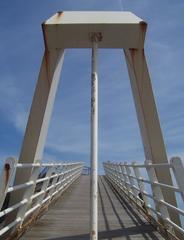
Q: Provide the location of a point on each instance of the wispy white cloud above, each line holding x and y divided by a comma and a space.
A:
12, 105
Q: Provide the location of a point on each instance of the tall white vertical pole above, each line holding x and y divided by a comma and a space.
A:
94, 145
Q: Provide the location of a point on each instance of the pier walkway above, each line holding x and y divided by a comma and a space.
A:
68, 218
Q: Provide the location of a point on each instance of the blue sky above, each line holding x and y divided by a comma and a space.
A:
21, 50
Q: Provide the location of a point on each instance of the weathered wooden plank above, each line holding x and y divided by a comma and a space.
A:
68, 218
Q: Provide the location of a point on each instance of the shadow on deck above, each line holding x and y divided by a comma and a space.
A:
68, 218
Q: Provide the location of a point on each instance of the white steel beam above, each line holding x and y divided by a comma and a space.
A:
72, 29
178, 169
6, 178
94, 142
39, 118
149, 124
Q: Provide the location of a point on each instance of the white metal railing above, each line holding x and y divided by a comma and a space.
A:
47, 181
139, 184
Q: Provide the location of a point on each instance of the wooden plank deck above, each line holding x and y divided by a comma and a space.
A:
68, 218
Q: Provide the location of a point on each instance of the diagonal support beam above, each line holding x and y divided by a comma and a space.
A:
147, 115
39, 118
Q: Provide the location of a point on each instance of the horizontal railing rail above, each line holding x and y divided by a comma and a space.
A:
47, 181
138, 183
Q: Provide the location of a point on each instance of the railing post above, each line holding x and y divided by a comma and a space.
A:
119, 175
44, 187
122, 178
74, 173
128, 189
67, 174
116, 172
28, 193
55, 180
141, 185
6, 177
82, 165
61, 177
178, 170
131, 180
158, 196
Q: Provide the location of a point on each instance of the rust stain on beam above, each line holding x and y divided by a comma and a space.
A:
7, 173
143, 26
59, 13
132, 52
47, 58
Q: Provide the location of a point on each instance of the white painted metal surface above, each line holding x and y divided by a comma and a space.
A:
72, 29
93, 17
178, 169
39, 118
140, 184
94, 142
6, 178
135, 187
158, 195
40, 191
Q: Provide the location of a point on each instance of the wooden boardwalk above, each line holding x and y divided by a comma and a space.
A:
68, 218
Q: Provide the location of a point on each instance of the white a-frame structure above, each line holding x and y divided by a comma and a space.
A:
121, 30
